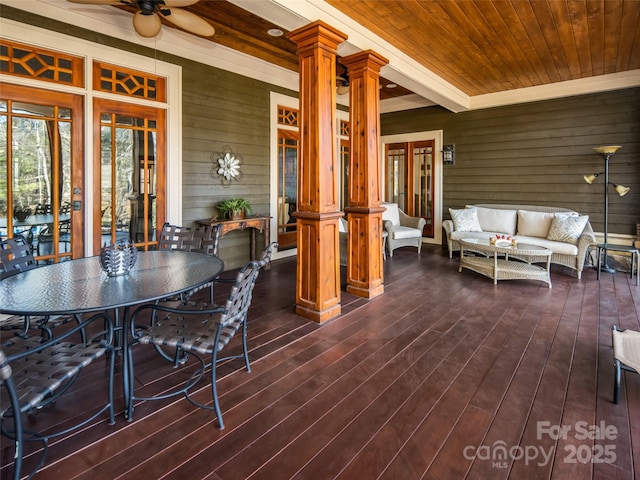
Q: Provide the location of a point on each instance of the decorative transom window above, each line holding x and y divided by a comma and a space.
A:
344, 128
32, 62
287, 116
132, 83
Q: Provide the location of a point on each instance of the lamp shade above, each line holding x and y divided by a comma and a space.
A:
610, 150
147, 25
622, 190
591, 178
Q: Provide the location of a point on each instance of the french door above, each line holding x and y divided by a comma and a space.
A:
410, 179
41, 170
129, 173
288, 154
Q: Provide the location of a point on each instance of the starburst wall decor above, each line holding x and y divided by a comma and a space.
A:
226, 166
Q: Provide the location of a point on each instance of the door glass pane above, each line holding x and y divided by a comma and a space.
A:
287, 187
3, 171
128, 179
423, 184
344, 160
35, 183
396, 166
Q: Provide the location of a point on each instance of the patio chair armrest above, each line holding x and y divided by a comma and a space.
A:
413, 222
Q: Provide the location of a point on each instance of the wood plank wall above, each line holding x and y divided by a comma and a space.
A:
537, 153
221, 109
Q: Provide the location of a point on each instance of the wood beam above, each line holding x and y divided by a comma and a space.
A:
318, 269
364, 213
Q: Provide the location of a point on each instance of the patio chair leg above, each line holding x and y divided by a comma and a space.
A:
214, 391
616, 386
244, 346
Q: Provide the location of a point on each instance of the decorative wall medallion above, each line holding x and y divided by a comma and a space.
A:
226, 166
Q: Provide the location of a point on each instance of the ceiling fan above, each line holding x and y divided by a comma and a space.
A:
146, 21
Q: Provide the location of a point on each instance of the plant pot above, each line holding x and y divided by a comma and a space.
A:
22, 214
238, 215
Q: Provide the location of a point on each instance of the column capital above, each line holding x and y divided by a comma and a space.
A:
366, 58
317, 34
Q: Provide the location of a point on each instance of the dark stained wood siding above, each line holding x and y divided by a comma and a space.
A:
221, 109
537, 154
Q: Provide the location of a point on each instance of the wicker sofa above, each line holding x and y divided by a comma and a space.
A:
529, 224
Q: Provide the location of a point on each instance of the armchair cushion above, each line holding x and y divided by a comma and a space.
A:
391, 213
400, 232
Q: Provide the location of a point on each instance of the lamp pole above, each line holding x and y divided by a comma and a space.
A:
607, 153
606, 156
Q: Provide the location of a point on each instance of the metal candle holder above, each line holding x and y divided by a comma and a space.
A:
118, 259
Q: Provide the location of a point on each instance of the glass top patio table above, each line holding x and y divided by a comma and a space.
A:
81, 285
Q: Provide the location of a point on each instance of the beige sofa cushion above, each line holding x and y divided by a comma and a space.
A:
497, 220
534, 224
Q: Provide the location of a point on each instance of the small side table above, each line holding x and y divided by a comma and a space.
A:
635, 256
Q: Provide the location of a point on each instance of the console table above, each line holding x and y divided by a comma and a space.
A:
253, 222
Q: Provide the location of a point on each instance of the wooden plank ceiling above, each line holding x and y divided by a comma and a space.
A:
479, 46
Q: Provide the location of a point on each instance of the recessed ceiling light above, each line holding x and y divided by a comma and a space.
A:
275, 32
391, 85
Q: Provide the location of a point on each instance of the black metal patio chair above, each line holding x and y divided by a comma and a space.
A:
204, 239
35, 373
16, 256
198, 329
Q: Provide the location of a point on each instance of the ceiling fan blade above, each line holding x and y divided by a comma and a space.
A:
179, 3
190, 22
147, 25
97, 2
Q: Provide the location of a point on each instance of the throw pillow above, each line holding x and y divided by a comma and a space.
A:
567, 228
465, 220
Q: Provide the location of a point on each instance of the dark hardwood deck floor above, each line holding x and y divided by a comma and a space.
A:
444, 376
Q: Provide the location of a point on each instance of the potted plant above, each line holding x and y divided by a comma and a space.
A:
21, 212
234, 208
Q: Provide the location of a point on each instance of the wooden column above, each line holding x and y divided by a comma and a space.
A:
364, 213
318, 268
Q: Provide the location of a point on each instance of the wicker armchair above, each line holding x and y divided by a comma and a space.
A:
200, 330
403, 230
35, 373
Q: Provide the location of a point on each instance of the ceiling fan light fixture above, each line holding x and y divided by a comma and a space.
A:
146, 25
146, 7
342, 84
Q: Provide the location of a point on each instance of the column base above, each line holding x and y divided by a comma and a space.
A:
365, 292
317, 316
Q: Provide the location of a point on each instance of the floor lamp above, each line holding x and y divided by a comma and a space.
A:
607, 153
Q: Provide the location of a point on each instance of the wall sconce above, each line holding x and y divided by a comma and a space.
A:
448, 154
